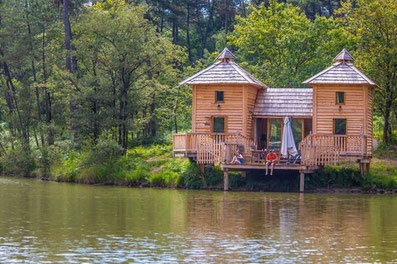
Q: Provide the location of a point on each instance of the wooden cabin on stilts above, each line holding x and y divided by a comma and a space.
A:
233, 111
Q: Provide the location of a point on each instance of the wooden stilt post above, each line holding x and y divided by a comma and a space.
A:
202, 167
367, 167
302, 182
361, 168
225, 180
364, 166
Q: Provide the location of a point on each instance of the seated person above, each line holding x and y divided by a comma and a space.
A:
237, 159
271, 158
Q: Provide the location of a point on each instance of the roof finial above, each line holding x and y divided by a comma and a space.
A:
344, 56
226, 55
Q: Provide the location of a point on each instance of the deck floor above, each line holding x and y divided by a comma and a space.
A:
243, 167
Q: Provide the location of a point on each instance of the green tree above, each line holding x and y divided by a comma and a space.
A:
374, 24
123, 61
284, 46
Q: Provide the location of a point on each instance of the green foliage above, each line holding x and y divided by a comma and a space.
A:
335, 176
170, 174
339, 177
19, 161
138, 176
373, 22
104, 152
386, 151
377, 180
283, 46
192, 177
142, 166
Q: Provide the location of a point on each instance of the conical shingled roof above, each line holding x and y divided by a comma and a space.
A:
226, 54
223, 71
344, 55
342, 72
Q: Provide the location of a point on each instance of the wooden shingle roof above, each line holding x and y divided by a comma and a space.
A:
226, 54
341, 72
223, 71
344, 55
284, 102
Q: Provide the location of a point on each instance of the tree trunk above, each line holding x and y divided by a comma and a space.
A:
50, 138
95, 104
226, 19
71, 63
10, 95
35, 79
386, 116
68, 34
244, 12
207, 28
187, 31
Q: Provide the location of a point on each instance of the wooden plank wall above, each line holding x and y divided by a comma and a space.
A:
357, 109
326, 108
370, 120
238, 104
205, 107
251, 93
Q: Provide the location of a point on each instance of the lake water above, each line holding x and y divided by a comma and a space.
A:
59, 222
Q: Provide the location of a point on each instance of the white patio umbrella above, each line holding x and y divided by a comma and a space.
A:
288, 142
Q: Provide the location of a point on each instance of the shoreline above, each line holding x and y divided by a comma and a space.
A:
332, 190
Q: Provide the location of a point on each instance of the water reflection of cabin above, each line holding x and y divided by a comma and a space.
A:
231, 109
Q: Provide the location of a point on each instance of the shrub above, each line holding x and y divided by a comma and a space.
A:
335, 176
192, 176
18, 161
104, 152
374, 180
137, 176
213, 177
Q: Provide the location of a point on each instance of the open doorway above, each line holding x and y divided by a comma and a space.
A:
269, 131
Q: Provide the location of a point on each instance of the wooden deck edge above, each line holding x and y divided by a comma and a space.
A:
233, 167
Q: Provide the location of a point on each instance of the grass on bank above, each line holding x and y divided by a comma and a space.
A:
154, 166
151, 166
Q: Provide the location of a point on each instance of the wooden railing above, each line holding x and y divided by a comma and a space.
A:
240, 144
211, 148
328, 149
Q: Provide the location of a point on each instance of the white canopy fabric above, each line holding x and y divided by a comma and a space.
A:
288, 142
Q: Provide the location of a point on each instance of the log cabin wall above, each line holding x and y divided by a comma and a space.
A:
206, 107
356, 109
239, 100
250, 95
370, 110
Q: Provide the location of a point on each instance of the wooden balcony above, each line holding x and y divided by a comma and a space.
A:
210, 148
316, 150
330, 149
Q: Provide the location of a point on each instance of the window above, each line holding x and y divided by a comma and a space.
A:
275, 133
219, 96
340, 97
297, 128
219, 125
340, 126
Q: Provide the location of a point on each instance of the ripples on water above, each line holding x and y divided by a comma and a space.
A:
54, 222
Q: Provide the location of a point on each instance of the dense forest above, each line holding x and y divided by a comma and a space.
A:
75, 74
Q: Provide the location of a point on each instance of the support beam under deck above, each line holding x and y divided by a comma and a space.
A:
302, 182
226, 180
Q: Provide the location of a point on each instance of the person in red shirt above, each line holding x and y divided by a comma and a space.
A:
271, 158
